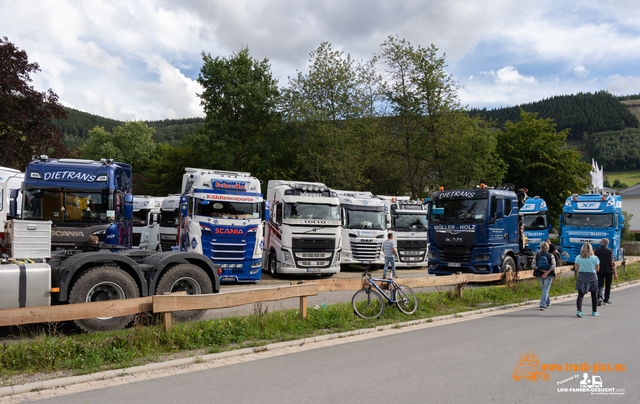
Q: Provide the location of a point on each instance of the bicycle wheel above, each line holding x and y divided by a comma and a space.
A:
405, 299
367, 303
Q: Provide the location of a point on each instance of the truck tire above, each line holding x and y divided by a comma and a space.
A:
189, 278
102, 284
508, 265
273, 265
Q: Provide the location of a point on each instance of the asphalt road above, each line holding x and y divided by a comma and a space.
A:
459, 361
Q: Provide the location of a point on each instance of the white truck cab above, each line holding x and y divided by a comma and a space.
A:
408, 221
364, 227
146, 228
10, 180
169, 223
304, 229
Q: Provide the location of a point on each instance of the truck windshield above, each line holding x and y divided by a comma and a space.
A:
461, 210
228, 210
409, 221
169, 219
311, 211
588, 220
535, 222
366, 219
64, 205
141, 218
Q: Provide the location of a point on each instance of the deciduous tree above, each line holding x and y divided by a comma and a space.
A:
25, 113
538, 159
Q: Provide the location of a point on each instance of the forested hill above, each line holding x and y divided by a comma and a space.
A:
583, 112
79, 123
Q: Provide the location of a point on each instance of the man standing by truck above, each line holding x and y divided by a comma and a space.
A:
607, 271
389, 256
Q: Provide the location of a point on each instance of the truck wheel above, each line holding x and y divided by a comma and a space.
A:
189, 278
273, 265
102, 284
508, 265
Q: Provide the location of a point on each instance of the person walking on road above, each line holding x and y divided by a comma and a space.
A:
389, 256
544, 264
587, 266
607, 271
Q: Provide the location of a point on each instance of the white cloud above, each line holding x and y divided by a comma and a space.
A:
580, 71
620, 85
138, 59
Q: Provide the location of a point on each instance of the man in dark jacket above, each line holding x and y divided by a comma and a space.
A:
607, 271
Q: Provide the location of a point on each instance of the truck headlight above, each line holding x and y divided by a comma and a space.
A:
431, 255
483, 257
336, 259
287, 257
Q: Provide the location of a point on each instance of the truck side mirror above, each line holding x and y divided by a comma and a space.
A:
13, 203
621, 219
266, 210
128, 206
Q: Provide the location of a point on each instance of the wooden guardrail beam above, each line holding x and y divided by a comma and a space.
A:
163, 304
67, 312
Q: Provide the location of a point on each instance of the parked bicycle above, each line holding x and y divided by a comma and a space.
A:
369, 302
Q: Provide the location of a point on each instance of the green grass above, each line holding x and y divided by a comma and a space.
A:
87, 353
630, 178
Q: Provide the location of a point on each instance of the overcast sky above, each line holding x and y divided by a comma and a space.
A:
139, 59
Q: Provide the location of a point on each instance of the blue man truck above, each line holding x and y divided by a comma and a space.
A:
80, 198
589, 218
535, 219
221, 216
476, 230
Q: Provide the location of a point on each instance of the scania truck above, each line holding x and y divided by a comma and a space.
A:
221, 216
304, 230
408, 220
589, 218
476, 230
364, 228
535, 219
87, 195
80, 198
146, 229
169, 222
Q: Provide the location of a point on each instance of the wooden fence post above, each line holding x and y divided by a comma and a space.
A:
167, 319
303, 307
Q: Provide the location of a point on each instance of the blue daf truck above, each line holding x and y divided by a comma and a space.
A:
588, 219
476, 230
535, 219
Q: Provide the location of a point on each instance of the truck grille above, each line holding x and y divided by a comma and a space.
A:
136, 239
166, 242
454, 255
412, 250
366, 251
313, 252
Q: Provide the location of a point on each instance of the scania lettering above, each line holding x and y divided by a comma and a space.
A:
146, 230
476, 230
169, 223
221, 216
364, 228
535, 218
303, 231
408, 221
588, 219
80, 198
